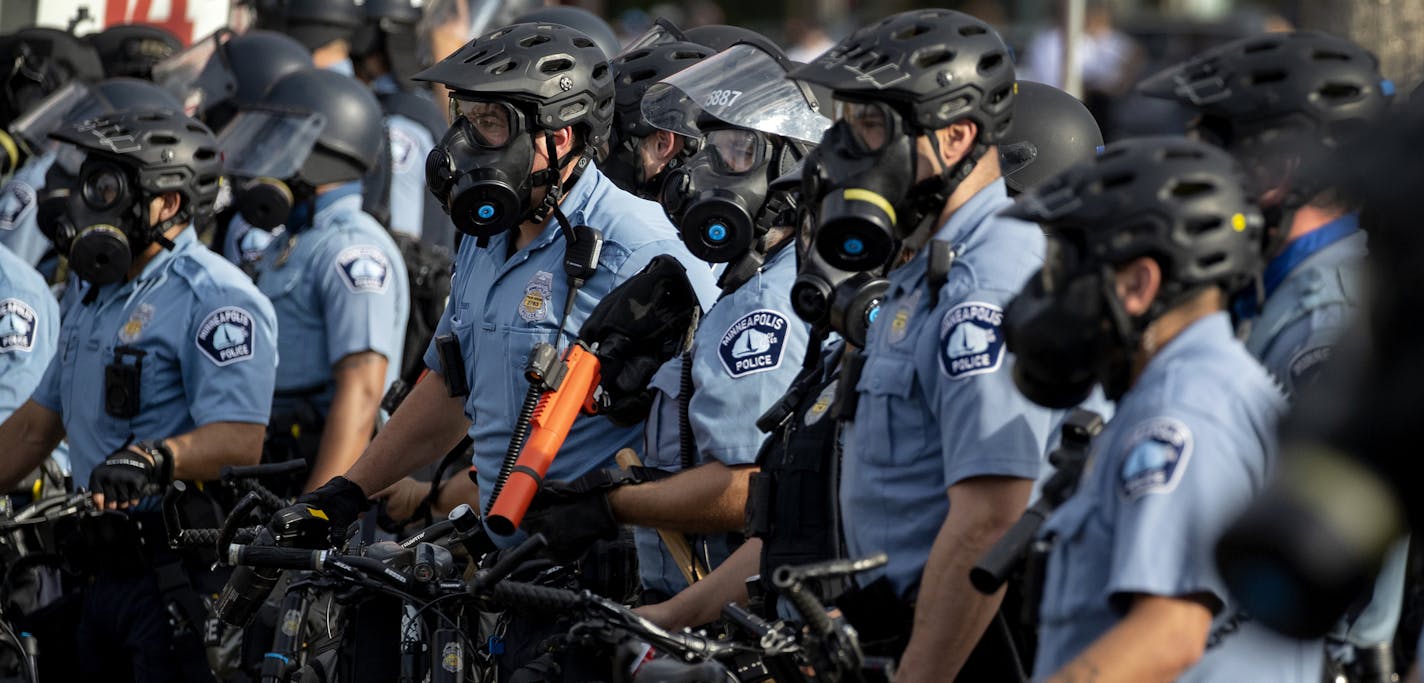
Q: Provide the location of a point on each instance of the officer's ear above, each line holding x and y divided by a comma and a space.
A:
1138, 282
164, 207
955, 141
666, 144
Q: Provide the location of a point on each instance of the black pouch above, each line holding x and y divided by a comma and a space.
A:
452, 365
881, 618
122, 379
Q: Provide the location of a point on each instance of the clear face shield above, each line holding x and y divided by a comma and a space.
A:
73, 102
198, 76
741, 87
266, 143
661, 32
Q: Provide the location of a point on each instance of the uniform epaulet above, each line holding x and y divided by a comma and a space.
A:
188, 267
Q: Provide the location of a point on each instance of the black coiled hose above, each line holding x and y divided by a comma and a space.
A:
516, 441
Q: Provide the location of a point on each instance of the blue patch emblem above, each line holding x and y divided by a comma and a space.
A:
16, 199
17, 326
754, 343
1305, 366
1156, 458
225, 336
970, 342
364, 268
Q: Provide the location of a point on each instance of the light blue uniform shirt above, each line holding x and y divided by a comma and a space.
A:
244, 245
209, 340
500, 307
1193, 441
339, 287
937, 401
747, 350
1310, 301
29, 329
410, 143
18, 201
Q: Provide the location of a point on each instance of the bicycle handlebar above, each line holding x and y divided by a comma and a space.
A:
275, 469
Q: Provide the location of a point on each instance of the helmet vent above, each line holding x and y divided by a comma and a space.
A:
556, 65
600, 71
501, 68
1330, 56
1340, 91
204, 154
639, 76
583, 42
536, 39
162, 139
1200, 226
1263, 46
1190, 189
910, 32
1263, 77
972, 30
476, 54
990, 63
925, 59
1179, 153
1117, 180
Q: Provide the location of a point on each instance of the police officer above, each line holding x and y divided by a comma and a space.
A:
638, 152
384, 52
74, 102
29, 328
745, 351
513, 127
1132, 592
1051, 131
1280, 103
334, 276
943, 451
185, 349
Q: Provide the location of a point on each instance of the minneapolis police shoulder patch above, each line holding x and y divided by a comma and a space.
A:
970, 342
17, 326
225, 336
754, 343
364, 268
1157, 454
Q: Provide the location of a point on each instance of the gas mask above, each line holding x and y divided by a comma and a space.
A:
264, 151
863, 175
101, 224
482, 170
824, 296
719, 198
1068, 332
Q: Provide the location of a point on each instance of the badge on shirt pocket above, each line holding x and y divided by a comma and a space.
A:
534, 307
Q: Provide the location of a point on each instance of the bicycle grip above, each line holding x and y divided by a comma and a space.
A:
1008, 554
509, 561
517, 594
275, 469
273, 557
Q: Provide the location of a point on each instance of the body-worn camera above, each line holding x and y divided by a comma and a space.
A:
121, 382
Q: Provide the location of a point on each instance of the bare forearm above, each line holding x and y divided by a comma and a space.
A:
425, 427
30, 434
352, 418
950, 614
459, 488
202, 453
711, 498
1158, 640
702, 602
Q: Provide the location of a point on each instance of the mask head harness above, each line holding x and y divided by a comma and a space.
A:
115, 166
1179, 202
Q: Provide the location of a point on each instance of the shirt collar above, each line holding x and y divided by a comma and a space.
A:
1208, 331
962, 228
385, 84
155, 266
574, 205
1302, 248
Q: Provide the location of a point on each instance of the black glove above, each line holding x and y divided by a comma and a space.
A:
319, 519
126, 476
572, 515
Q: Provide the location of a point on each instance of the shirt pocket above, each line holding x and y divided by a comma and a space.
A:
895, 428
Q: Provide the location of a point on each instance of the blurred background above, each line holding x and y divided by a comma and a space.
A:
1120, 39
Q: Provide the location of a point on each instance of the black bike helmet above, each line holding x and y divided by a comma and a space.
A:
315, 23
578, 19
352, 135
133, 49
1307, 82
558, 73
1179, 201
634, 72
935, 66
168, 151
37, 62
1051, 131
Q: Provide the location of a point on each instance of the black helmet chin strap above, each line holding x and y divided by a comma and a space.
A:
552, 177
927, 198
